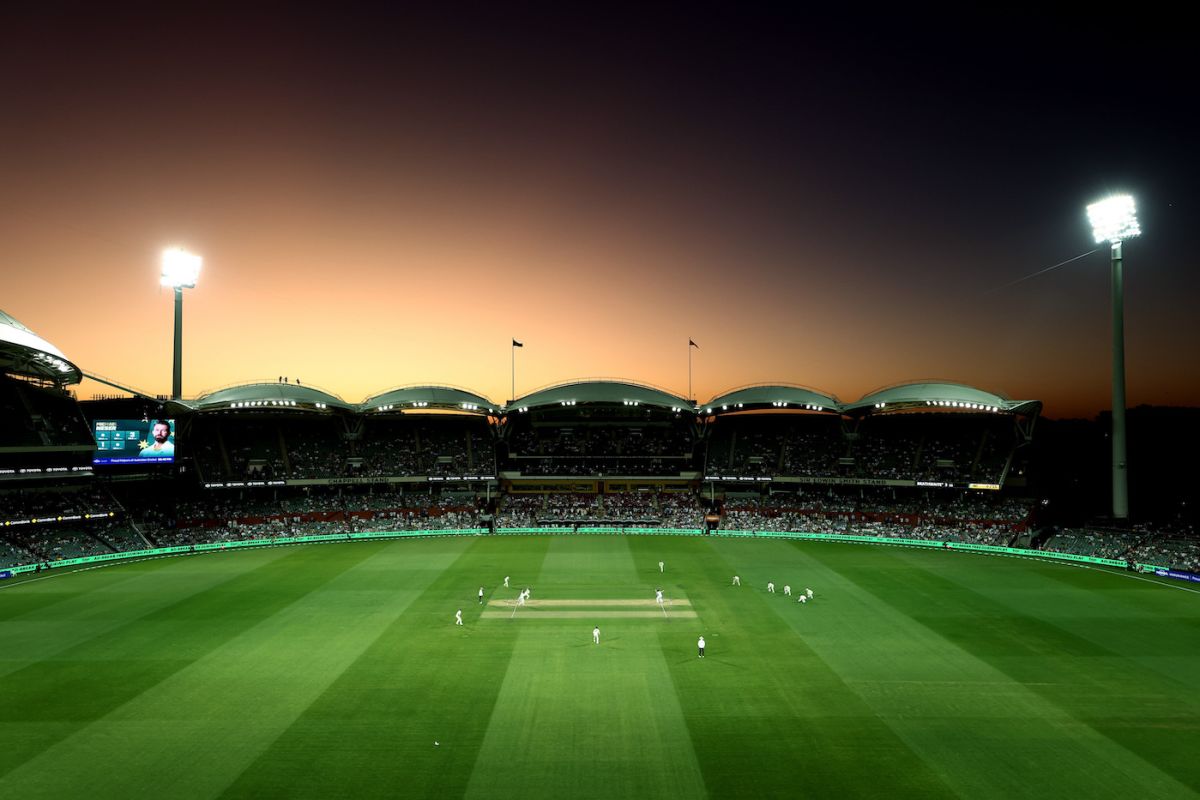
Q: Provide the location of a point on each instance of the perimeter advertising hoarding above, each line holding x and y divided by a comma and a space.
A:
130, 441
1178, 574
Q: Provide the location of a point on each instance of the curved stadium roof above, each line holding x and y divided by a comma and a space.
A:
269, 395
23, 352
940, 395
773, 395
448, 398
600, 392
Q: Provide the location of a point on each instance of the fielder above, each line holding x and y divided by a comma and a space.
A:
458, 617
700, 646
803, 599
770, 587
658, 598
661, 567
596, 634
737, 581
787, 590
505, 581
809, 593
480, 595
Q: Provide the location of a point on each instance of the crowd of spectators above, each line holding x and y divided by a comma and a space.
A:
973, 518
220, 518
1175, 547
37, 544
239, 448
54, 501
627, 509
449, 445
1097, 543
605, 450
920, 447
1172, 546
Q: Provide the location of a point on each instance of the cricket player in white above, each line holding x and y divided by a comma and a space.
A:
809, 593
521, 599
737, 581
661, 567
803, 599
658, 598
700, 646
770, 587
480, 595
596, 634
505, 581
787, 590
458, 617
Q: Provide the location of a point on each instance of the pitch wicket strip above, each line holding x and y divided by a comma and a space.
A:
590, 603
598, 614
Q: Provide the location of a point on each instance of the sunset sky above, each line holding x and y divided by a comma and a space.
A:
385, 198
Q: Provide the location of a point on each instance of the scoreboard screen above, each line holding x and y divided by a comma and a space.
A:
134, 441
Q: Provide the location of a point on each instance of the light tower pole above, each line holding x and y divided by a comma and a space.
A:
1114, 219
179, 271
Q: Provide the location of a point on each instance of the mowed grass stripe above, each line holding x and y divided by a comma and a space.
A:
371, 732
79, 670
993, 675
1131, 619
272, 646
35, 595
1021, 680
92, 605
575, 719
767, 717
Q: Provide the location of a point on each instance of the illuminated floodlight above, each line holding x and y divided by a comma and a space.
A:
180, 268
1114, 219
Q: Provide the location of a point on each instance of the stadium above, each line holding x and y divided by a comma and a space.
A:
597, 400
268, 590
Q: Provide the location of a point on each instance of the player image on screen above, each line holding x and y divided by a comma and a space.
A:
131, 441
161, 444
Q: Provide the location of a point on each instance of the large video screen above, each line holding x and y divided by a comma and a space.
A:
134, 441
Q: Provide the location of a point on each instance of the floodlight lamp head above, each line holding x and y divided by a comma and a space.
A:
180, 268
1114, 219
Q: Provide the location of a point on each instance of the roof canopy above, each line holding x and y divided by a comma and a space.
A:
601, 392
277, 396
943, 396
23, 352
416, 398
774, 396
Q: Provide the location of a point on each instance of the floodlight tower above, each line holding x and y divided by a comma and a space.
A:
1114, 219
179, 271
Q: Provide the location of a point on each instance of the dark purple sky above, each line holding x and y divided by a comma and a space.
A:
385, 197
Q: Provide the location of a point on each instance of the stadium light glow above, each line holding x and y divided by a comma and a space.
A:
180, 268
1114, 219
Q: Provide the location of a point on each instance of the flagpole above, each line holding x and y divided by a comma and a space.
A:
691, 344
512, 395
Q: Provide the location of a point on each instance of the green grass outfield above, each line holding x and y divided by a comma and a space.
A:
330, 671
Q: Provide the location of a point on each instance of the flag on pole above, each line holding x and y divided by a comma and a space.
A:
693, 344
517, 344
